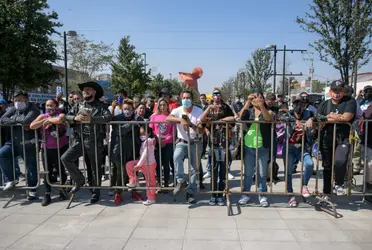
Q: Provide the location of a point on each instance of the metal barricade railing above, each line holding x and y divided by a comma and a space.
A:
134, 125
13, 147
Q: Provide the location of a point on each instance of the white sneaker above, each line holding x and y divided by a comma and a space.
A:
148, 202
244, 200
207, 175
32, 196
340, 190
263, 201
231, 177
9, 185
132, 185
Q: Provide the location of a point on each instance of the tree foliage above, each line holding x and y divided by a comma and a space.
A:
86, 57
227, 89
158, 83
258, 70
26, 48
344, 28
318, 86
129, 70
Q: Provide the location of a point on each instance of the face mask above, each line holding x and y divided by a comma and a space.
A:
20, 105
217, 98
50, 111
186, 103
336, 96
127, 113
143, 137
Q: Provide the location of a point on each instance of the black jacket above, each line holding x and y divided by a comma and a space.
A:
25, 117
100, 114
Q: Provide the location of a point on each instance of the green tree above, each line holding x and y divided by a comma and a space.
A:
158, 83
258, 70
86, 57
129, 70
227, 89
344, 28
27, 51
318, 86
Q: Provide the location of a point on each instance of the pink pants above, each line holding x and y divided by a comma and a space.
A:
150, 180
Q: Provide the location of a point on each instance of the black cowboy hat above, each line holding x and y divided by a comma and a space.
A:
95, 86
165, 91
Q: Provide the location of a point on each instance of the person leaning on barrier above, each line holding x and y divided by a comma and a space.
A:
48, 126
88, 137
219, 111
189, 132
296, 131
339, 108
257, 138
123, 137
23, 113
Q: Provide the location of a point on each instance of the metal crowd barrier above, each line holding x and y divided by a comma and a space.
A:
228, 190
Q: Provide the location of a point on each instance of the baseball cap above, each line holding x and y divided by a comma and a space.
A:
337, 85
2, 101
367, 87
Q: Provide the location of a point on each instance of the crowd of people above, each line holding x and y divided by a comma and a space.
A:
154, 135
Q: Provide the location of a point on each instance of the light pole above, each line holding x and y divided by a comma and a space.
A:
144, 60
65, 34
273, 48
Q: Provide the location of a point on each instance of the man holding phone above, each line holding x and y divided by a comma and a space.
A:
189, 133
115, 107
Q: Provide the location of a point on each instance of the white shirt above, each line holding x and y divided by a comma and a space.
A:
117, 110
194, 117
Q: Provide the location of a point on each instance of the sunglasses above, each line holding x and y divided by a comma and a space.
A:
216, 94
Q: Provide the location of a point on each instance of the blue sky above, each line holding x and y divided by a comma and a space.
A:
177, 35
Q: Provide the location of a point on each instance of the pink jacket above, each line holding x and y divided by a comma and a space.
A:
147, 152
164, 131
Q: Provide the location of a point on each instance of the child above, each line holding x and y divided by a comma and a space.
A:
146, 164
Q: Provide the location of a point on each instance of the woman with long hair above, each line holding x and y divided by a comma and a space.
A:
55, 138
164, 132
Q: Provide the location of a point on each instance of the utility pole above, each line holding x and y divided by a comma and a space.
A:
355, 78
311, 68
283, 89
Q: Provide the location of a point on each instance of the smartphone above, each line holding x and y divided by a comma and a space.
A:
120, 100
185, 117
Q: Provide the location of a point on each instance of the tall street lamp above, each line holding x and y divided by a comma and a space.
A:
65, 34
269, 48
144, 59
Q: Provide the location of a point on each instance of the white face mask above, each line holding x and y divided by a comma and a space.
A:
143, 137
20, 105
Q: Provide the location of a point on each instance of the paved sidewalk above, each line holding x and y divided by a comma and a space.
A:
175, 226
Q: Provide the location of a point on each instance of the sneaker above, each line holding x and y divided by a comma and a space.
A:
220, 201
190, 198
9, 185
137, 196
178, 187
117, 199
111, 192
148, 202
263, 201
292, 202
231, 177
132, 185
207, 175
21, 177
32, 196
243, 200
212, 201
340, 190
305, 192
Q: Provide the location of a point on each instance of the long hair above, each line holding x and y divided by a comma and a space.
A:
157, 111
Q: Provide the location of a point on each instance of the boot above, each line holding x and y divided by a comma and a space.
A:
166, 185
63, 195
46, 200
95, 198
78, 184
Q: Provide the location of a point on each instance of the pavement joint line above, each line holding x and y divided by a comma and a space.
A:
237, 231
130, 236
184, 233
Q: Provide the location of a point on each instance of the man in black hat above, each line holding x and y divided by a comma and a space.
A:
89, 136
23, 113
340, 108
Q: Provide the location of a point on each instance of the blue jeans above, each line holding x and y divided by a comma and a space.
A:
294, 154
209, 161
179, 156
219, 171
6, 162
250, 166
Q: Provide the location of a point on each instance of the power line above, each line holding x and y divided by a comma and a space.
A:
195, 31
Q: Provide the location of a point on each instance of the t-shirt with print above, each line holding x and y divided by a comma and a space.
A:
194, 118
346, 105
219, 130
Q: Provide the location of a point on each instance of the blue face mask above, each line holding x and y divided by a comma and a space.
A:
186, 103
